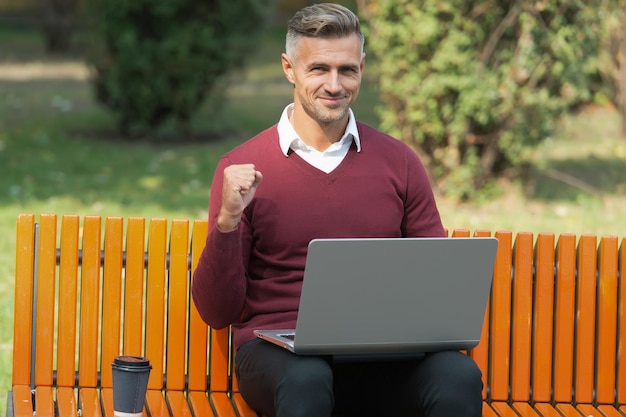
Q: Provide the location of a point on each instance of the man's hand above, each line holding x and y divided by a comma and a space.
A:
239, 186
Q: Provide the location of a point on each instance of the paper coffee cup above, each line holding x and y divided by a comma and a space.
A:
130, 382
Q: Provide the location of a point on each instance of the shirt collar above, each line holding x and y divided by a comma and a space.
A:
287, 134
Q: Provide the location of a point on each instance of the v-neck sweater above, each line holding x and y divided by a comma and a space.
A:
251, 277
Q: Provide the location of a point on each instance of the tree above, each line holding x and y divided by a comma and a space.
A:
156, 60
58, 22
473, 86
612, 62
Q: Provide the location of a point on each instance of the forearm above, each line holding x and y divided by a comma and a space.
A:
219, 281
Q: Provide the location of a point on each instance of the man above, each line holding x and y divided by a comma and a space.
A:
318, 173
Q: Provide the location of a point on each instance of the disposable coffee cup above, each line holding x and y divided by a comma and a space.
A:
130, 381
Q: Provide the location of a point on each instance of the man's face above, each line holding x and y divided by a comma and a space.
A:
326, 74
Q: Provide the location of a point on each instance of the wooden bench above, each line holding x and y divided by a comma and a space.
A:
94, 288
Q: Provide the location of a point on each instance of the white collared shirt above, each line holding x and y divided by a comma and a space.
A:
325, 161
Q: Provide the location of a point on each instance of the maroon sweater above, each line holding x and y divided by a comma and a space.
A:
252, 277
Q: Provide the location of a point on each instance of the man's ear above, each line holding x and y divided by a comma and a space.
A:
287, 68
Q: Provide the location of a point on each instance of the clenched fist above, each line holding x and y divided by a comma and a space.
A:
238, 189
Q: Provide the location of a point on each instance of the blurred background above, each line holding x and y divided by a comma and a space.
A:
117, 107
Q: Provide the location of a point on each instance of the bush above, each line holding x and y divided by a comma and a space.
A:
474, 86
158, 60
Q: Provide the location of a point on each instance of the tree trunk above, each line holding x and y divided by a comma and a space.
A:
58, 18
621, 79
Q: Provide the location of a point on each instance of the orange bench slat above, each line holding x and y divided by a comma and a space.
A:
607, 354
621, 369
66, 402
222, 404
90, 303
106, 398
44, 401
90, 403
45, 303
586, 319
177, 403
156, 404
220, 346
480, 353
525, 409
134, 278
564, 313
547, 410
23, 299
522, 317
488, 411
156, 290
500, 338
543, 318
112, 294
68, 294
199, 403
609, 411
178, 292
198, 330
568, 410
22, 401
503, 409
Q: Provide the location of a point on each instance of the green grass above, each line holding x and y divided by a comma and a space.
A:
59, 153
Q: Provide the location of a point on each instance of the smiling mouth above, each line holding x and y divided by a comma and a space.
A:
333, 101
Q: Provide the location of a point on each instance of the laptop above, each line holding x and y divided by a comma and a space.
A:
391, 296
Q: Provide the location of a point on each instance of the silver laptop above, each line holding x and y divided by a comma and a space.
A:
391, 296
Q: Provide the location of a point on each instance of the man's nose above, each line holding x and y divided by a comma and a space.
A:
333, 83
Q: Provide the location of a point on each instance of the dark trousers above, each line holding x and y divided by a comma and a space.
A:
278, 383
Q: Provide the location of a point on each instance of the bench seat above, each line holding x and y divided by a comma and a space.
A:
88, 289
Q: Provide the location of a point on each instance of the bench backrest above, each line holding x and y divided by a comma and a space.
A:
122, 286
121, 293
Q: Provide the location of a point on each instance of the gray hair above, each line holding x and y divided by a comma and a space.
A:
324, 20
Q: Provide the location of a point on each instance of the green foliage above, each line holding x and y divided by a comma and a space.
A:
156, 60
612, 57
474, 86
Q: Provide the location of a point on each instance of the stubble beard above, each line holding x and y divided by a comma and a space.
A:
325, 115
